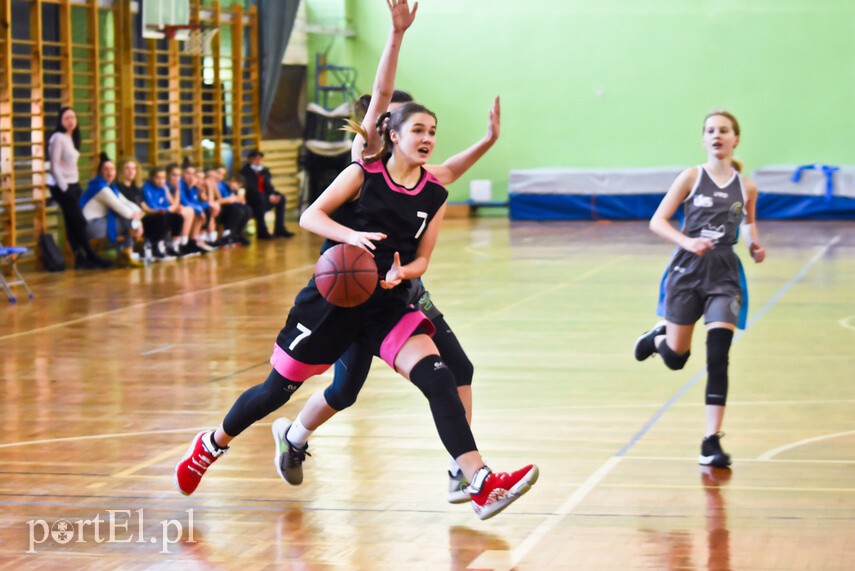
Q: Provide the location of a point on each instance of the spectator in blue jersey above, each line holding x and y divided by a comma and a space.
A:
110, 215
181, 245
261, 196
164, 216
189, 193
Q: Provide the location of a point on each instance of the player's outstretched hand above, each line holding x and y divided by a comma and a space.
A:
394, 275
402, 17
365, 240
495, 121
758, 252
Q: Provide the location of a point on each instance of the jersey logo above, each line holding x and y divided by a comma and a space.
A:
702, 201
734, 215
713, 233
425, 301
720, 194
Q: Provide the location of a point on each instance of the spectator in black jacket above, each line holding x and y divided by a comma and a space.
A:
261, 196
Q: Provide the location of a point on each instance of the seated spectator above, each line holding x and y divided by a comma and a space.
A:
234, 213
162, 215
189, 193
261, 197
110, 215
181, 245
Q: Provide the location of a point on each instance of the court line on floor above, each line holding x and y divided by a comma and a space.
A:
238, 283
775, 451
521, 551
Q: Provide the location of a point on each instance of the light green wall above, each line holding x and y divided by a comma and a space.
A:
621, 83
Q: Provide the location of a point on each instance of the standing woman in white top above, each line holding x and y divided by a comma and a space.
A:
64, 185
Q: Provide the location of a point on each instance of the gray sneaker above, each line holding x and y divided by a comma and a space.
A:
288, 459
457, 493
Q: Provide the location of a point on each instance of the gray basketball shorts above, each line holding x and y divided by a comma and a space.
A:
705, 286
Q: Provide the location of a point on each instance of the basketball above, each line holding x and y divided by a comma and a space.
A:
346, 275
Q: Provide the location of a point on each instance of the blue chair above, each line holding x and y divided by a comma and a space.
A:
8, 254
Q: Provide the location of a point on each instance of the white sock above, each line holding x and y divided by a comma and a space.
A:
184, 240
298, 434
453, 468
212, 236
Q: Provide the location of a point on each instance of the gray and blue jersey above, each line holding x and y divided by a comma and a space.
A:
711, 285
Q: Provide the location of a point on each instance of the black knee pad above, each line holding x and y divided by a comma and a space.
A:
718, 351
435, 380
672, 359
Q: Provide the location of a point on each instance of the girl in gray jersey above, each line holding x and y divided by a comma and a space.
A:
703, 276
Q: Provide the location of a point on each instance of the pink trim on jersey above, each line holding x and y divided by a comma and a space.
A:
291, 368
380, 167
402, 331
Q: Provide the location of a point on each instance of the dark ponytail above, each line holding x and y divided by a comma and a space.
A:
103, 158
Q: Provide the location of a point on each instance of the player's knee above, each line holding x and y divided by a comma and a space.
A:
339, 399
463, 372
673, 360
278, 388
436, 381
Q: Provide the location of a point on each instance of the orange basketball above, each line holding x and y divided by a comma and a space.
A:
346, 275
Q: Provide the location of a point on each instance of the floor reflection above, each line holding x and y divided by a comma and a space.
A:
718, 536
465, 544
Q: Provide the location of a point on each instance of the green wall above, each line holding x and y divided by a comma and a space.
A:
619, 83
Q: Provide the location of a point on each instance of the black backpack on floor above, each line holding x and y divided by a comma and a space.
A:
52, 256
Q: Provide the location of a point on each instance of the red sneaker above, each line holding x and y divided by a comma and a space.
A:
491, 493
191, 468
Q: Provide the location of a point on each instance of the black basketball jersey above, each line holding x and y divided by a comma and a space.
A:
403, 214
714, 212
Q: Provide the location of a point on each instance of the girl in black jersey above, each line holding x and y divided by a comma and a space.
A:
703, 276
397, 209
351, 370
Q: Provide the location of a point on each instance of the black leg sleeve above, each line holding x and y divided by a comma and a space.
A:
257, 402
436, 382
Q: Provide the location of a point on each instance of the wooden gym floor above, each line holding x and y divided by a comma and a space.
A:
107, 376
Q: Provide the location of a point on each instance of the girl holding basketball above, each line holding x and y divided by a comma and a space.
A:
351, 370
396, 209
703, 278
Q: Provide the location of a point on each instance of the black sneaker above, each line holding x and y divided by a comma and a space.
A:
189, 249
644, 346
711, 452
288, 459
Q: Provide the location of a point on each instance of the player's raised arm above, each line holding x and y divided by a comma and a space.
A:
384, 81
453, 168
